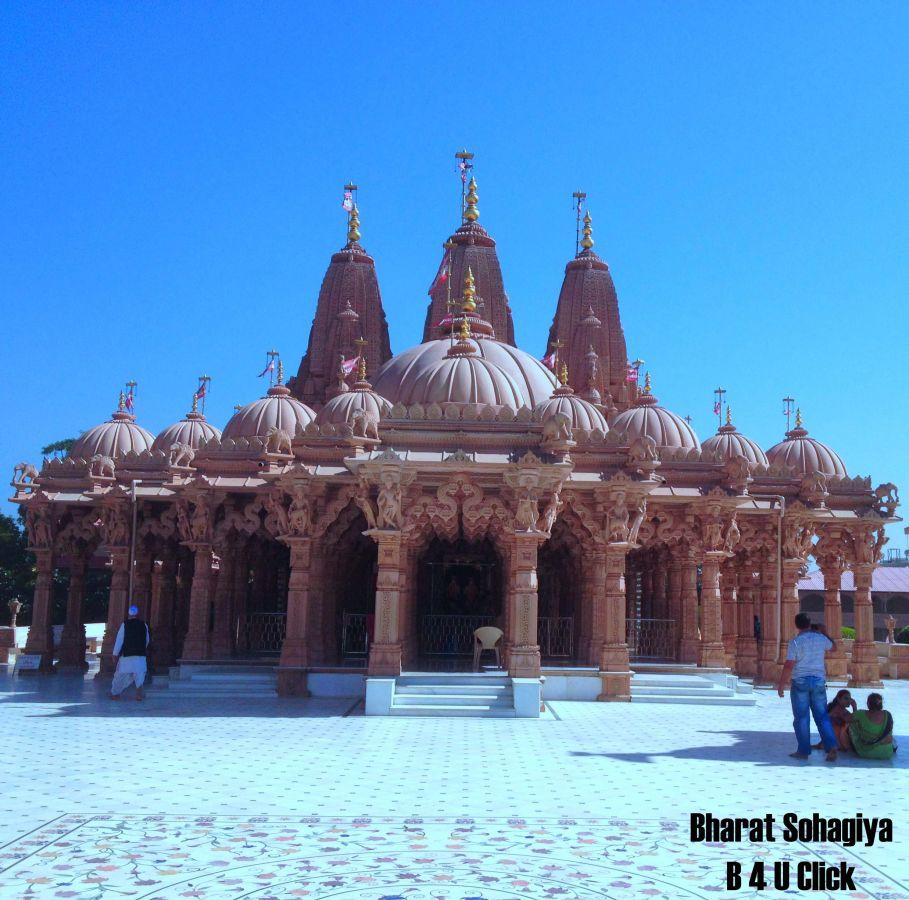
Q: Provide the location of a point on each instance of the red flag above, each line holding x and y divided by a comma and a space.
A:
632, 374
269, 368
203, 390
549, 361
442, 274
349, 365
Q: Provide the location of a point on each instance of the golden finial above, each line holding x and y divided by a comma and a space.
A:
280, 371
728, 415
195, 402
353, 226
361, 369
471, 213
563, 375
647, 383
798, 418
587, 240
464, 334
121, 403
469, 292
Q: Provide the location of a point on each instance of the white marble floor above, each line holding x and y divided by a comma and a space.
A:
81, 776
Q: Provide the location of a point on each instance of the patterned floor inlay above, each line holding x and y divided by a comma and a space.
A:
384, 858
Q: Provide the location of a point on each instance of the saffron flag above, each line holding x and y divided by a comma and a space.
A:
632, 374
349, 365
347, 203
443, 273
549, 361
269, 368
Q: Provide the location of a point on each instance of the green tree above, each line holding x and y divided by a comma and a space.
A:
17, 569
63, 446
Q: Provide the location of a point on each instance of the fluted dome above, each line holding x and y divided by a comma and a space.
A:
115, 438
805, 454
534, 381
648, 418
340, 409
193, 430
276, 409
728, 442
579, 412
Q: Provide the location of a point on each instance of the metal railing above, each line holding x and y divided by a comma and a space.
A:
450, 635
354, 635
651, 638
265, 632
555, 635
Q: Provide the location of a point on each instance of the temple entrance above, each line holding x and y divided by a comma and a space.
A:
459, 589
261, 614
559, 585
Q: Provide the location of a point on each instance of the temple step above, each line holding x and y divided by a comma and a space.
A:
453, 694
449, 699
716, 690
455, 710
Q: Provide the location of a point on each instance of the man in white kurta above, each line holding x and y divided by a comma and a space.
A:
130, 649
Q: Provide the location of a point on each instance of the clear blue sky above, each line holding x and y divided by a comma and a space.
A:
170, 180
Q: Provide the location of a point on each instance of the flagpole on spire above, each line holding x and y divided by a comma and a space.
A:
201, 392
787, 411
718, 403
361, 342
579, 197
349, 203
130, 396
464, 158
269, 369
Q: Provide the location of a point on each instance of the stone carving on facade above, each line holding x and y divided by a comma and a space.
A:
830, 549
101, 466
557, 429
618, 520
797, 538
15, 607
866, 546
813, 489
550, 513
364, 501
720, 532
39, 526
738, 473
278, 441
389, 501
886, 500
181, 455
115, 524
364, 425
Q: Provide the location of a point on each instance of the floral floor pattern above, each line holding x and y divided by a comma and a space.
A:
384, 858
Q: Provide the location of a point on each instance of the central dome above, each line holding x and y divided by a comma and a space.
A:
523, 373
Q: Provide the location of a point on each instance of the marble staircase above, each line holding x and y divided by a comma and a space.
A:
453, 694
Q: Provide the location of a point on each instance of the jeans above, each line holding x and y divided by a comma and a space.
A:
810, 693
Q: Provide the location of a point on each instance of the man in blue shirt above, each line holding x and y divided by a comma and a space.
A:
805, 665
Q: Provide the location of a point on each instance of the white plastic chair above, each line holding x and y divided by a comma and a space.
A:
487, 638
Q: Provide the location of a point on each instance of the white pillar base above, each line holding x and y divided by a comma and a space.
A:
527, 695
380, 694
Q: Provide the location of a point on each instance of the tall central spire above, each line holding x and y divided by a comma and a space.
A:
471, 247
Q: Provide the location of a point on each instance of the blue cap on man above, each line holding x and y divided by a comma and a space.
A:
134, 610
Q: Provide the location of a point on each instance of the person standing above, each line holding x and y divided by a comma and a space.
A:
130, 649
808, 693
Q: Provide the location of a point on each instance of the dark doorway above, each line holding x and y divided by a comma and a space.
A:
559, 588
459, 589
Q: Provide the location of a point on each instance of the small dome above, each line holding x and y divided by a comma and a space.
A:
728, 442
340, 409
579, 412
276, 409
805, 454
646, 417
535, 382
115, 438
193, 430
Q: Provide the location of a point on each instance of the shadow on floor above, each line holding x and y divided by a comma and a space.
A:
766, 748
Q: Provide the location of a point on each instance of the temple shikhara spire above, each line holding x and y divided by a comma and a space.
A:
349, 307
588, 325
362, 520
471, 246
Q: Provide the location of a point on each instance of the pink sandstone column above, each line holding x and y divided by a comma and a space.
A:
790, 604
221, 637
524, 656
689, 645
768, 668
674, 598
40, 640
161, 619
865, 670
196, 645
294, 664
597, 602
746, 644
711, 653
615, 669
385, 652
837, 664
729, 591
116, 605
71, 652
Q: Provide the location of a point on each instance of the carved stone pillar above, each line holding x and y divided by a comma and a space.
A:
222, 643
746, 643
161, 620
674, 599
240, 598
295, 650
71, 652
789, 604
865, 669
385, 652
660, 608
615, 670
690, 641
647, 564
321, 629
142, 584
40, 640
597, 603
117, 604
711, 652
768, 667
729, 590
524, 656
197, 645
837, 664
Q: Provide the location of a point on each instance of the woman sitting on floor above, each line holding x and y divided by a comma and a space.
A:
871, 730
840, 716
